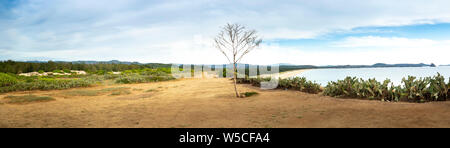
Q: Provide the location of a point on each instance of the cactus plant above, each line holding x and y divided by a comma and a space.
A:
412, 89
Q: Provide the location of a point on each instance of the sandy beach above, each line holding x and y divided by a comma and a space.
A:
289, 74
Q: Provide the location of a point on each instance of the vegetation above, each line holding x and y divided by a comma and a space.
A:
12, 82
300, 84
84, 93
151, 90
411, 90
249, 94
144, 76
121, 92
112, 91
25, 67
115, 89
27, 99
46, 84
7, 80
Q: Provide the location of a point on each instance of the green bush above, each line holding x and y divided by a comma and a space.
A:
110, 76
10, 83
67, 71
100, 72
137, 78
249, 94
412, 89
48, 84
297, 83
57, 71
7, 80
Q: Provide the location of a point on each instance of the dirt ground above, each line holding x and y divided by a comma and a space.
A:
208, 103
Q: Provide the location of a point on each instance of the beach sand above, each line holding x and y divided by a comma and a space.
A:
289, 74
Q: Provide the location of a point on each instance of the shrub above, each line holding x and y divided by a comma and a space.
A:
147, 77
297, 83
57, 71
7, 80
67, 71
10, 83
110, 76
133, 78
412, 89
249, 94
100, 72
48, 84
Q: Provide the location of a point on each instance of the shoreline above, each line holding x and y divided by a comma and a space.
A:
292, 73
287, 74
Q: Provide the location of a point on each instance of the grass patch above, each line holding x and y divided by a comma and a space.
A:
137, 89
84, 93
143, 78
249, 94
28, 99
151, 90
120, 92
115, 89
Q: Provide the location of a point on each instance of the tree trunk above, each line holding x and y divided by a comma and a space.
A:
235, 80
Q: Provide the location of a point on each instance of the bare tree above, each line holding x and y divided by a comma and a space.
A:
235, 41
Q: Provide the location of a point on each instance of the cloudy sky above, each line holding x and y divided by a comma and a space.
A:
316, 32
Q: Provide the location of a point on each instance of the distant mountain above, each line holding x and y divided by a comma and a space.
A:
284, 66
90, 62
107, 62
35, 61
402, 65
377, 65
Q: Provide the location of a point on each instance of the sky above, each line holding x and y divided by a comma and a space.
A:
304, 32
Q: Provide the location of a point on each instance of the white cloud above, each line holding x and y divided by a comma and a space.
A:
164, 31
388, 42
359, 50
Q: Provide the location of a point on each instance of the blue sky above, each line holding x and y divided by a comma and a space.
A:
321, 32
437, 31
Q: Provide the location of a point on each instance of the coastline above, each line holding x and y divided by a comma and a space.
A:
287, 74
292, 73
